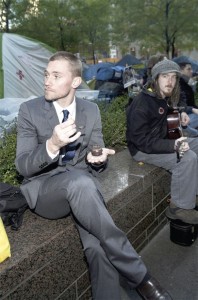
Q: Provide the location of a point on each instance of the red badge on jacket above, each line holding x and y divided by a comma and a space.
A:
161, 111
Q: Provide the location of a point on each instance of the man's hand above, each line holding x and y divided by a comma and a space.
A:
184, 119
101, 158
181, 144
63, 134
195, 111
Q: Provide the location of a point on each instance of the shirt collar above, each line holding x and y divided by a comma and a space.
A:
71, 108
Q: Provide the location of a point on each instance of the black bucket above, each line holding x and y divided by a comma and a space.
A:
182, 233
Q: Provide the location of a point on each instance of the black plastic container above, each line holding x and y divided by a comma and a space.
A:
182, 233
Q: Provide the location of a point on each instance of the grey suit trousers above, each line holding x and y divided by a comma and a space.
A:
108, 251
184, 181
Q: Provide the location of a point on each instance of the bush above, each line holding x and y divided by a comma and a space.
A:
114, 122
114, 128
8, 171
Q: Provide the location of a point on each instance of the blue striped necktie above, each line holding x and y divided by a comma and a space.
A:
67, 151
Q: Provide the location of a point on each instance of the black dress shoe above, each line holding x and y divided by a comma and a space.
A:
151, 290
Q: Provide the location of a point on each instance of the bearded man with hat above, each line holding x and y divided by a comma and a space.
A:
149, 141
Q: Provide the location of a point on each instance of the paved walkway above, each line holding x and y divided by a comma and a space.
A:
175, 267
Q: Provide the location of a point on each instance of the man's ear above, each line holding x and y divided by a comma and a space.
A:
76, 82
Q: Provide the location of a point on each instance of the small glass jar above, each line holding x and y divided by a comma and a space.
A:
96, 150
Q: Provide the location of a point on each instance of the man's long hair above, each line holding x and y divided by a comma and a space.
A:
173, 100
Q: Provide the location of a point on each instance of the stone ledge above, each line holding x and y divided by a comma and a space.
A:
47, 259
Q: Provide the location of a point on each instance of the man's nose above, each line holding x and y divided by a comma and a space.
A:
47, 80
170, 80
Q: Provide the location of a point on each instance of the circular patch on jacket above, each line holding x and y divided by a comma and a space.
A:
161, 111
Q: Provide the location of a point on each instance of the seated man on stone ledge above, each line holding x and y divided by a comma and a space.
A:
149, 140
59, 168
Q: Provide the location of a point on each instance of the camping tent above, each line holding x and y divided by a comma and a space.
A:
128, 60
22, 63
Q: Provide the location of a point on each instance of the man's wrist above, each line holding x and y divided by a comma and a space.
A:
51, 149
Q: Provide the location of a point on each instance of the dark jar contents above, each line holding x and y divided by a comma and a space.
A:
96, 150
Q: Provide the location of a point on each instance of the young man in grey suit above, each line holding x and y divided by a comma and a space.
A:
59, 170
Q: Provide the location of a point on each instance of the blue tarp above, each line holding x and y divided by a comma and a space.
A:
110, 73
90, 73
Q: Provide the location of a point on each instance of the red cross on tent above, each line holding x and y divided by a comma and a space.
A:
20, 73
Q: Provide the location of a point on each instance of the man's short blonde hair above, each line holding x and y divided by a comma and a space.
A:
74, 62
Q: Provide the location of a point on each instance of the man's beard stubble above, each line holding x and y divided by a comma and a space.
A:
169, 92
50, 99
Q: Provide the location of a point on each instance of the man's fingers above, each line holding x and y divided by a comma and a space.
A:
182, 139
109, 151
75, 137
67, 123
101, 158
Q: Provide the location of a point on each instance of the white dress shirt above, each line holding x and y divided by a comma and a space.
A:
59, 110
71, 108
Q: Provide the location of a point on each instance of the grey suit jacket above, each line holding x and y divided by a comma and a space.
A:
36, 121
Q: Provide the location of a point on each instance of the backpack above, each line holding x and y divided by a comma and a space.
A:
12, 205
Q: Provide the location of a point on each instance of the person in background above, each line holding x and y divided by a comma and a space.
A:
60, 178
148, 140
187, 98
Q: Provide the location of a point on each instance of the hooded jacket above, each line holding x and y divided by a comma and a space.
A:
147, 125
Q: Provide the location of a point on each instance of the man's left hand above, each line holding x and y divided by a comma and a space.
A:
184, 119
101, 158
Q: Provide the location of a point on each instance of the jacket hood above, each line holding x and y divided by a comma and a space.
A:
148, 91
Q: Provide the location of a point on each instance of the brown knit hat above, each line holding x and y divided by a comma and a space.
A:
165, 66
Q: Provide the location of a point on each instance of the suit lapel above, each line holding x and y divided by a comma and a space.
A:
50, 114
81, 117
81, 120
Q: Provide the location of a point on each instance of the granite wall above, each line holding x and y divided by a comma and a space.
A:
47, 259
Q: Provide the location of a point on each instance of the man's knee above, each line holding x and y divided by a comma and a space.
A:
190, 157
81, 180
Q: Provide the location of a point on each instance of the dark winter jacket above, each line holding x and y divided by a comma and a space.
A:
147, 125
187, 97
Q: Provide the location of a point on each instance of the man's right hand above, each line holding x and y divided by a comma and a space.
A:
181, 144
63, 134
195, 110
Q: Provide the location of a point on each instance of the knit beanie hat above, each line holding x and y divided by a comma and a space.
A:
165, 66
